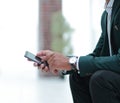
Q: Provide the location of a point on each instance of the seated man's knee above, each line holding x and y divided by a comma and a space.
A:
98, 78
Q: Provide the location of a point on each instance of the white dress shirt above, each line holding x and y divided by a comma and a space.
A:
108, 8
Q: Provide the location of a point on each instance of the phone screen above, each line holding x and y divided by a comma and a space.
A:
32, 57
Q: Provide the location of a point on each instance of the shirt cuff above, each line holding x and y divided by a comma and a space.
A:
77, 65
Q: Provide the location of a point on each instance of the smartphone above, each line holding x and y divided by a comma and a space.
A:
34, 58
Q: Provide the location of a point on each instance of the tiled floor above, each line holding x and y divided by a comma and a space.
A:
27, 87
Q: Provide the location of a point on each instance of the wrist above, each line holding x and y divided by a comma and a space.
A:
68, 66
73, 62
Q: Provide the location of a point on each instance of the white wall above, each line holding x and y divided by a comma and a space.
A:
18, 32
84, 17
19, 82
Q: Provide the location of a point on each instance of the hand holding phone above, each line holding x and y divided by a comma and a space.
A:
39, 61
34, 58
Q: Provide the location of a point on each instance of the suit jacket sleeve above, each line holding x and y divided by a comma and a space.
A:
90, 64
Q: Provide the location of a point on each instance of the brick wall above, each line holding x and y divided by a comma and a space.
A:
47, 8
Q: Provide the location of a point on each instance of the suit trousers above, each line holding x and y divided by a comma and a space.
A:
101, 87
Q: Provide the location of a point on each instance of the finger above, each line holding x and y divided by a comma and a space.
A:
41, 53
35, 64
42, 66
46, 69
45, 54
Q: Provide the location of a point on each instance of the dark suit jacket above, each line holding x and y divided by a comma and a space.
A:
100, 59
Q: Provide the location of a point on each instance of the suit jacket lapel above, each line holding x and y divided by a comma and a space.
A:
105, 22
116, 5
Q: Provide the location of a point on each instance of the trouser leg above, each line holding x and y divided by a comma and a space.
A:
80, 88
105, 87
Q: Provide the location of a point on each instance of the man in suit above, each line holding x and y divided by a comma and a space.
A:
96, 77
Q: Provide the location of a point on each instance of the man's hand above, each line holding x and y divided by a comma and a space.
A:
55, 60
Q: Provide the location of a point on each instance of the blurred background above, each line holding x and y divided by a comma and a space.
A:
71, 27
